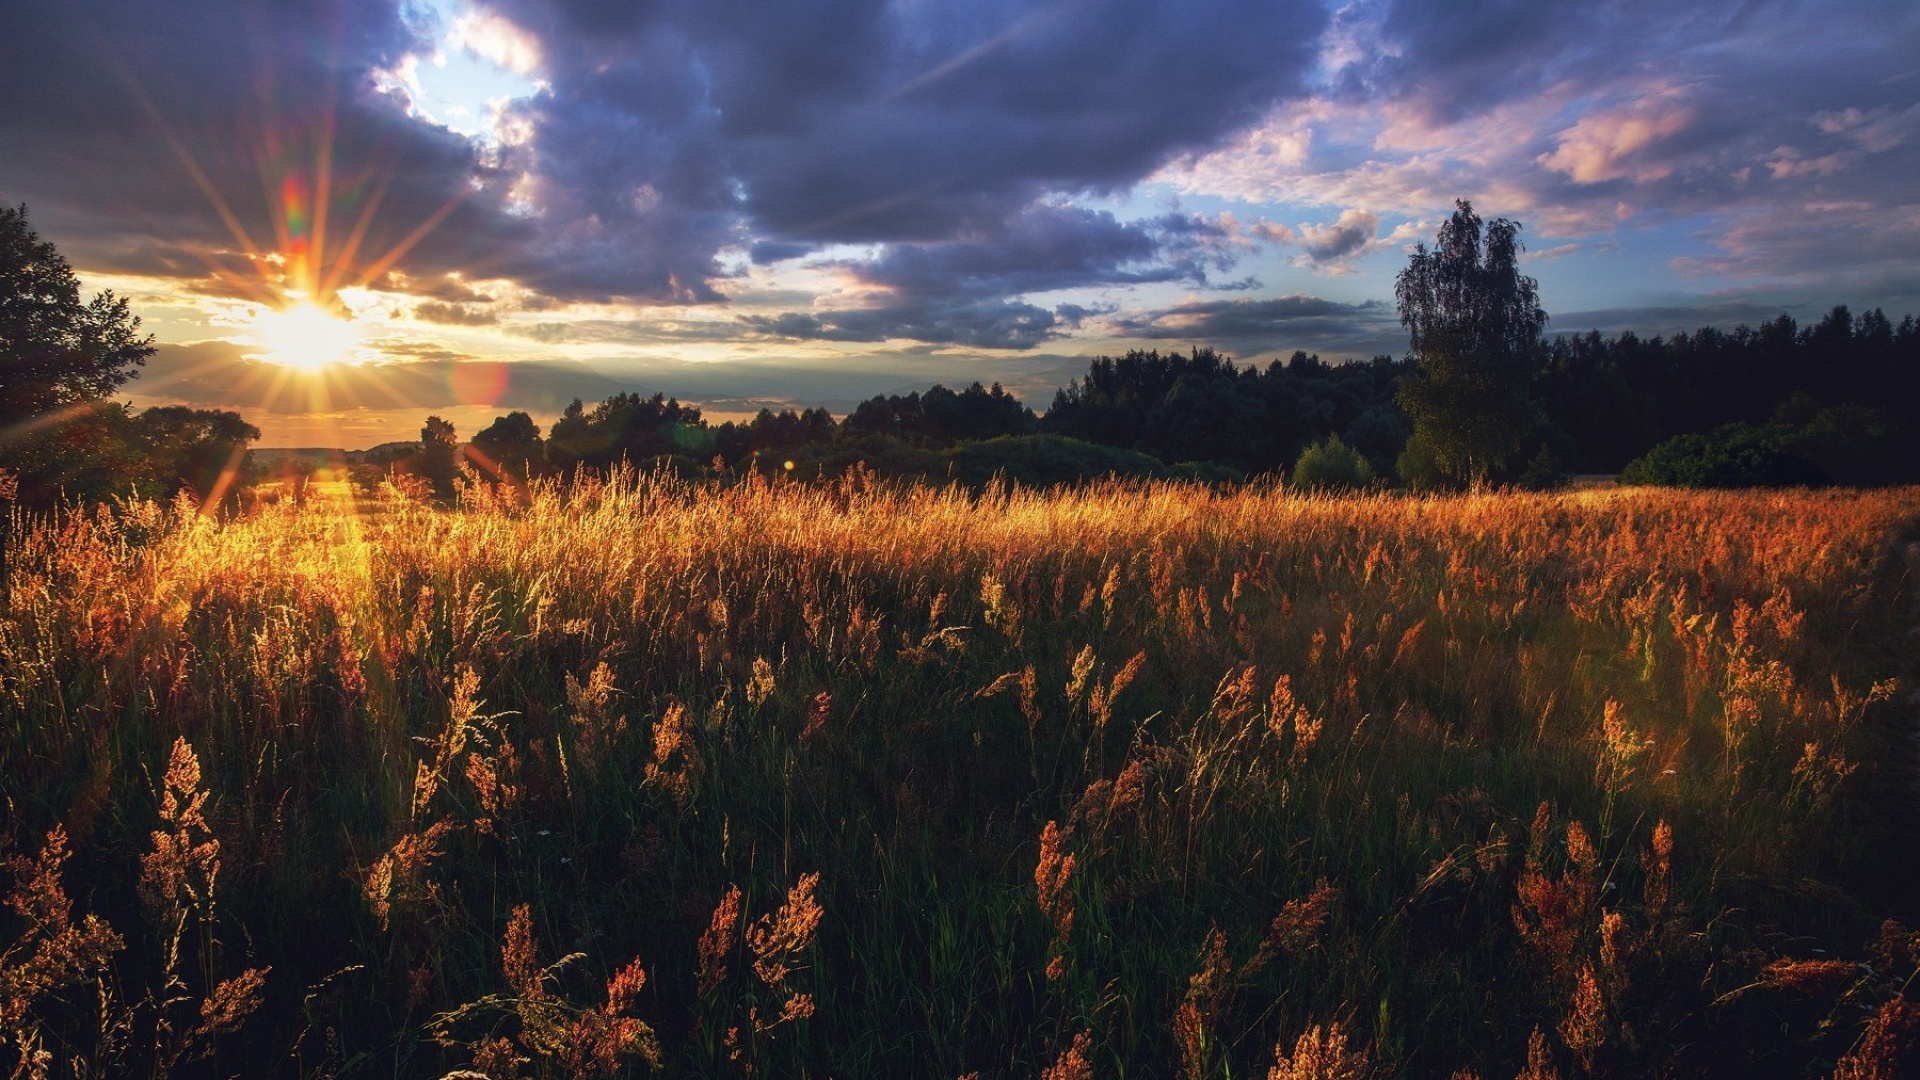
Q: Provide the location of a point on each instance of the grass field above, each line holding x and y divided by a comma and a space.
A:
870, 781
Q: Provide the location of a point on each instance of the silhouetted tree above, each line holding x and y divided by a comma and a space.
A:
1474, 321
59, 359
626, 427
941, 417
1202, 407
200, 450
509, 447
1852, 383
54, 349
439, 456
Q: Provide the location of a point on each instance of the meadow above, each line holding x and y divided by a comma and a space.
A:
876, 780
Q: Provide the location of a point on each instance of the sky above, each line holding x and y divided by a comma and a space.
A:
337, 216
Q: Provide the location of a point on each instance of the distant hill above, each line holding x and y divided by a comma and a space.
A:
318, 456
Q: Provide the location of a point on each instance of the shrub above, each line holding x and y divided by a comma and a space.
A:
1330, 466
1418, 469
1731, 456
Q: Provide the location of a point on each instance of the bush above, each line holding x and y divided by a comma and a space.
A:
1419, 469
1045, 460
1853, 444
1330, 466
1731, 456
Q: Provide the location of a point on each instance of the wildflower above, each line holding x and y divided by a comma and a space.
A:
818, 710
517, 955
53, 953
1297, 928
1082, 668
760, 686
593, 726
1658, 864
1585, 1028
230, 1003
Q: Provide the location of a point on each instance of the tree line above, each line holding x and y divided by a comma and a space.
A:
1483, 396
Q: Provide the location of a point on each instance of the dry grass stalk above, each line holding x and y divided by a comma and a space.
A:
1320, 1053
1072, 1063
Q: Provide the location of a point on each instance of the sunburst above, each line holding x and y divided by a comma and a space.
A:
302, 336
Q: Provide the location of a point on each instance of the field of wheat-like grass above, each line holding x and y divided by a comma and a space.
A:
875, 781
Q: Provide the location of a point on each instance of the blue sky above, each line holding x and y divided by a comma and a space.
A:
337, 215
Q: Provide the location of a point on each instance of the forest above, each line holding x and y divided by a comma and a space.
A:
1835, 402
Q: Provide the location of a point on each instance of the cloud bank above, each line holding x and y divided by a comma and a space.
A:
994, 176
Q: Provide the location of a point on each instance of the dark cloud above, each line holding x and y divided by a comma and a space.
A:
1048, 247
1342, 239
1278, 324
446, 288
674, 143
434, 311
967, 292
666, 134
1742, 122
980, 323
170, 138
868, 121
766, 252
653, 331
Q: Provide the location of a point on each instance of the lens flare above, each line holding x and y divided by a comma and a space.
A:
303, 336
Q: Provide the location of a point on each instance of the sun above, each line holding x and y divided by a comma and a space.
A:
303, 336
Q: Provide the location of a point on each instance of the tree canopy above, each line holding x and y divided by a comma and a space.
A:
1474, 323
55, 349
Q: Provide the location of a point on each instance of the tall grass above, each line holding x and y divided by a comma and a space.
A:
872, 780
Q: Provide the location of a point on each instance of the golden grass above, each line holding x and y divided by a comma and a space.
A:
883, 780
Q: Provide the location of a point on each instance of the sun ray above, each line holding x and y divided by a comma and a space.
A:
193, 168
357, 236
419, 233
302, 336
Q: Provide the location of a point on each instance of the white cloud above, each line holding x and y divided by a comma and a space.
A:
495, 38
1612, 145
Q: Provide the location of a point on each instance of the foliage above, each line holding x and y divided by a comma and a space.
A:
55, 351
1732, 456
1044, 460
196, 450
509, 447
1803, 444
103, 450
60, 358
1474, 323
941, 417
624, 427
1202, 407
1597, 783
439, 457
1330, 466
1618, 397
